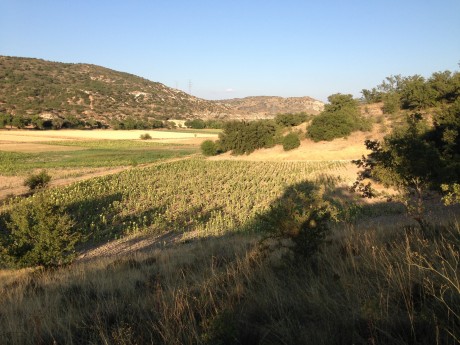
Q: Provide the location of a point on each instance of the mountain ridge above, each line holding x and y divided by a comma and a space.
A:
31, 86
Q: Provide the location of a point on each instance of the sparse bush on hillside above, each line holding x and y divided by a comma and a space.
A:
338, 120
37, 181
209, 148
291, 141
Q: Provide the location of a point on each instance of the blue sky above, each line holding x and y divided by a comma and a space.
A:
242, 48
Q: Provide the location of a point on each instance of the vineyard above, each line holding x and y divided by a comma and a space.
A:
193, 196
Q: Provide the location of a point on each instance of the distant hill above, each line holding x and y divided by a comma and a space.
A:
269, 106
51, 89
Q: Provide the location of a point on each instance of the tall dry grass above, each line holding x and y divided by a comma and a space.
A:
379, 286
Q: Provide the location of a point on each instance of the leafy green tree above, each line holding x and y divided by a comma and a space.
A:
446, 86
371, 96
339, 119
416, 93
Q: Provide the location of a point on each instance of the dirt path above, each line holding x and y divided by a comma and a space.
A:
140, 243
23, 191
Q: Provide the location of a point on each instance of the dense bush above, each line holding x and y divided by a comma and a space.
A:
37, 233
200, 124
195, 124
339, 119
244, 137
290, 120
36, 181
209, 148
291, 141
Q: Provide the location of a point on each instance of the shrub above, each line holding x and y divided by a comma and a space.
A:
290, 120
301, 214
245, 137
146, 136
39, 233
195, 124
209, 148
36, 181
291, 141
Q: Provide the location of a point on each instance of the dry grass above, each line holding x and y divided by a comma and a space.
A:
37, 136
338, 149
364, 287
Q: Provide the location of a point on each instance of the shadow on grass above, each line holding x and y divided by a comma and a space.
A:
216, 291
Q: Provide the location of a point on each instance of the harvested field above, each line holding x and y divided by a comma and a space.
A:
34, 136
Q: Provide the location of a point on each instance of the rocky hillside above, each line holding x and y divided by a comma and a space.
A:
269, 106
52, 89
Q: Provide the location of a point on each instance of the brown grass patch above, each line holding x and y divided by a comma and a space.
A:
33, 136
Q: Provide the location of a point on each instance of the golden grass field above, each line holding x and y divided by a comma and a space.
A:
96, 134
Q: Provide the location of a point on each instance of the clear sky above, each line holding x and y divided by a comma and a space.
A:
238, 48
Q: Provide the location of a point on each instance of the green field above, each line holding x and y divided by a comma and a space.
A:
98, 153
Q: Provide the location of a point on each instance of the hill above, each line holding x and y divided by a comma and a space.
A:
56, 90
269, 106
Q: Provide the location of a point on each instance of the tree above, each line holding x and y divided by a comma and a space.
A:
339, 119
371, 96
405, 161
416, 94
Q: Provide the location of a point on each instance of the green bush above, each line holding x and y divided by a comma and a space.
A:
146, 136
338, 120
244, 137
38, 233
37, 181
209, 148
291, 141
290, 120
